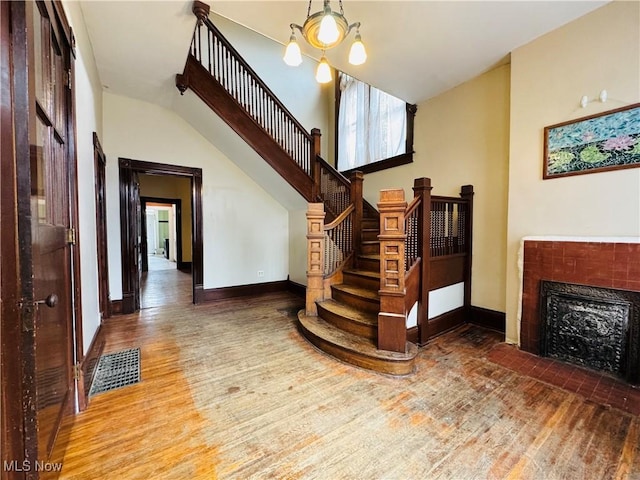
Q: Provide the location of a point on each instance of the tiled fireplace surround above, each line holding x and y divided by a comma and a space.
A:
611, 263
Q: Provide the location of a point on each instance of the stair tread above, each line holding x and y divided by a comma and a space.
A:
353, 343
364, 273
370, 242
365, 293
349, 312
371, 256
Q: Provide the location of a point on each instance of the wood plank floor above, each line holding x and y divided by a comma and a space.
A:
231, 390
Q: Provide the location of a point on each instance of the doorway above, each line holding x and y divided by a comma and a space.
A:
134, 175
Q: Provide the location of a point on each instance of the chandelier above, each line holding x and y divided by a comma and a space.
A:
324, 30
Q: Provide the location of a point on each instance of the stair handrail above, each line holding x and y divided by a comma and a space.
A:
226, 66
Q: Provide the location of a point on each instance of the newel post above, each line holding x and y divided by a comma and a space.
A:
314, 152
315, 257
422, 188
392, 326
356, 179
466, 193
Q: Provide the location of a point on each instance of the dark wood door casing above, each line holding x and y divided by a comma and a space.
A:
100, 163
39, 215
129, 219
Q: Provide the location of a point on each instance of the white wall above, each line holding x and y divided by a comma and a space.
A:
548, 77
296, 87
245, 229
88, 110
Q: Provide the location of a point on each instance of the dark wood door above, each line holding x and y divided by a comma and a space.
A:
50, 355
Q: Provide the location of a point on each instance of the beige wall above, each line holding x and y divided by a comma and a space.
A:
461, 137
169, 186
548, 77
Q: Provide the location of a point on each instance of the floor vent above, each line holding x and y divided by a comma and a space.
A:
116, 370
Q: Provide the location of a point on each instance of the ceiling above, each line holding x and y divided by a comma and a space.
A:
417, 49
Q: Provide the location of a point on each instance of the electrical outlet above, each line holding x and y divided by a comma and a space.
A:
260, 273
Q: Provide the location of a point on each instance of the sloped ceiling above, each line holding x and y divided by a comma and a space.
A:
417, 49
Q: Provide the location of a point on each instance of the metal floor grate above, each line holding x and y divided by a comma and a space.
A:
116, 370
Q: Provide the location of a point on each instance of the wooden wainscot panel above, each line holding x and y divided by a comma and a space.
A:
447, 321
447, 271
412, 285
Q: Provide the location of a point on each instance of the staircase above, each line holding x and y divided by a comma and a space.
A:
343, 299
346, 325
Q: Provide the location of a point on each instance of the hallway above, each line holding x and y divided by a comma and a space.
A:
164, 284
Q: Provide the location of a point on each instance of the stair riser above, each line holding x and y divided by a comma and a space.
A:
369, 264
404, 367
348, 325
370, 235
371, 223
365, 304
361, 281
371, 248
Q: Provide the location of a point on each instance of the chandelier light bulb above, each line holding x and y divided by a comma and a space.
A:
323, 73
328, 32
357, 54
292, 55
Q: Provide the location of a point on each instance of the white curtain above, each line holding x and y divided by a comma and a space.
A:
371, 124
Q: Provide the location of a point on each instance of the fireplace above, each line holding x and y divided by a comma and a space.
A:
612, 263
592, 327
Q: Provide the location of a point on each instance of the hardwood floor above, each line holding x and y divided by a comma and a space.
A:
232, 390
164, 284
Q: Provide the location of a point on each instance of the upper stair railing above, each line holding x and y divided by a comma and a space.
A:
223, 62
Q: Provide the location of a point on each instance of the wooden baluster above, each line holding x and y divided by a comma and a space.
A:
314, 151
466, 193
315, 257
422, 188
392, 327
357, 178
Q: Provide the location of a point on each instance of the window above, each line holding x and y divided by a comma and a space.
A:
373, 127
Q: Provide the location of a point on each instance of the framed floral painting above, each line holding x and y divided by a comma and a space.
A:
605, 141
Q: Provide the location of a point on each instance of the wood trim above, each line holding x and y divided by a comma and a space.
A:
223, 293
88, 366
173, 201
11, 387
116, 307
223, 104
185, 266
446, 322
487, 318
127, 168
100, 165
447, 270
297, 288
413, 335
377, 166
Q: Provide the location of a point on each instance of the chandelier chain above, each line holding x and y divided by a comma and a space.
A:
341, 9
309, 9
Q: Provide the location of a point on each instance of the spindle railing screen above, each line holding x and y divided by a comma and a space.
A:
214, 52
335, 190
413, 242
448, 227
338, 242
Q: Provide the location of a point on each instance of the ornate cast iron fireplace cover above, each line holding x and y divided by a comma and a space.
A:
593, 327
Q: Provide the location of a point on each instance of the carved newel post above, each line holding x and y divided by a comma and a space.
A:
315, 257
392, 327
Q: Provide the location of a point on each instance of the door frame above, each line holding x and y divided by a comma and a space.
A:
100, 165
128, 168
18, 306
180, 265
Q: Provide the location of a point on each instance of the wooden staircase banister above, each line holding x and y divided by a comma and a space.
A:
255, 77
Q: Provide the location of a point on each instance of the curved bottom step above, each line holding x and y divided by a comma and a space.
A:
356, 350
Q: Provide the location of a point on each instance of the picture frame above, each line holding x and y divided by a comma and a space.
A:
602, 142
